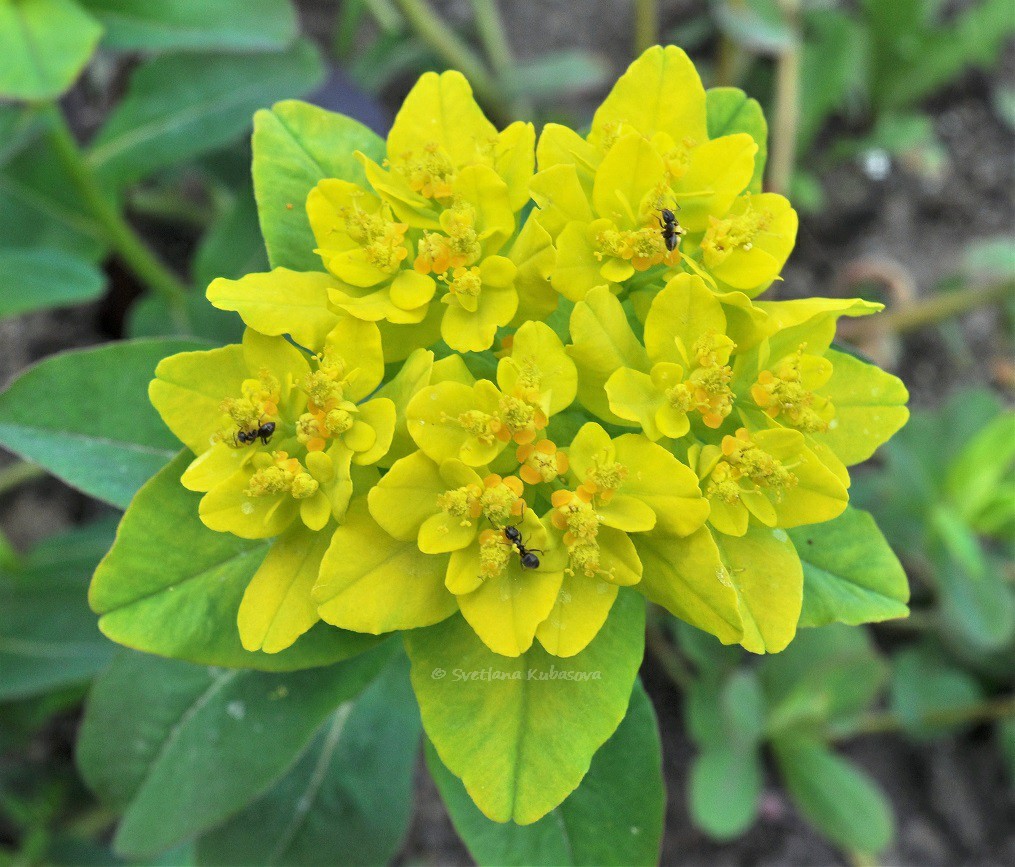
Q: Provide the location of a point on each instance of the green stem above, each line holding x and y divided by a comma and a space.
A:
666, 654
646, 31
987, 710
18, 473
453, 51
167, 206
349, 18
941, 306
119, 233
729, 56
917, 621
492, 34
385, 14
787, 105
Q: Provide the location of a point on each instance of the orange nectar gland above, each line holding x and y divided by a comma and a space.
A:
328, 413
494, 553
541, 462
258, 404
430, 173
277, 473
380, 237
643, 248
743, 461
574, 513
516, 419
499, 500
464, 288
458, 247
782, 392
678, 159
723, 236
707, 389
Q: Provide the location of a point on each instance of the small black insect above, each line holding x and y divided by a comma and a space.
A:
671, 229
263, 433
527, 555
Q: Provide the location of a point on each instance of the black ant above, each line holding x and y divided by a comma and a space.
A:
527, 555
671, 228
263, 433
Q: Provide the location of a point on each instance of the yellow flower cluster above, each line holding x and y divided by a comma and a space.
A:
528, 375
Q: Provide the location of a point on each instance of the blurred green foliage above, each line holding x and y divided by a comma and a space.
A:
172, 154
866, 65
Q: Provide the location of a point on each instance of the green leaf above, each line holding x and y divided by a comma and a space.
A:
726, 712
41, 278
756, 25
349, 798
40, 205
982, 471
556, 74
521, 731
833, 69
1006, 736
182, 105
703, 649
977, 606
153, 316
729, 111
614, 817
225, 25
182, 747
388, 57
851, 574
19, 124
232, 246
295, 146
84, 415
917, 64
990, 258
46, 44
832, 674
925, 688
837, 798
48, 637
725, 790
173, 587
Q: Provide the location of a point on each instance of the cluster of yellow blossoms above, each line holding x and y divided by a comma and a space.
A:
511, 393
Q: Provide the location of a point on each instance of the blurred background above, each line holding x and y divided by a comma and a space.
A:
891, 128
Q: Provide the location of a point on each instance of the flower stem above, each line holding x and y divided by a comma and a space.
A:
18, 473
349, 18
786, 122
164, 205
646, 32
385, 14
119, 233
988, 710
942, 306
490, 25
454, 51
665, 653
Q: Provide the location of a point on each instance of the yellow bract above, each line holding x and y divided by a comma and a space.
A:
650, 191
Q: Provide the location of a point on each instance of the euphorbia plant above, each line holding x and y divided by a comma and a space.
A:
486, 400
